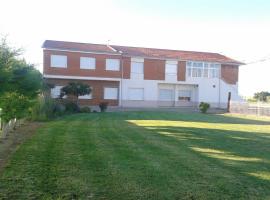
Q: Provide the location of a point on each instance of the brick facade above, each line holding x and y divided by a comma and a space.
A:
73, 65
154, 69
229, 73
181, 72
97, 90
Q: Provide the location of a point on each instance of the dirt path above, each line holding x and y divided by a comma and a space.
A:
15, 139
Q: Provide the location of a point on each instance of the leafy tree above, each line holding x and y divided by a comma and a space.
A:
261, 96
14, 105
75, 89
20, 83
17, 75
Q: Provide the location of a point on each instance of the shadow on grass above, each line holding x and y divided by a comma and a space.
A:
174, 116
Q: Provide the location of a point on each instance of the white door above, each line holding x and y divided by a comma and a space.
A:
166, 97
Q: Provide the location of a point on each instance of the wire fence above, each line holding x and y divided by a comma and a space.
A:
259, 108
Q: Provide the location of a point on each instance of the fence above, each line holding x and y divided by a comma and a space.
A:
259, 108
5, 128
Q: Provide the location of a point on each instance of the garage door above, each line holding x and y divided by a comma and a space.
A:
166, 97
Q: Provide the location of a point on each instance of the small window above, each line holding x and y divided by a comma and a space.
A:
137, 67
171, 69
59, 61
110, 93
87, 63
55, 92
184, 95
87, 96
113, 64
136, 94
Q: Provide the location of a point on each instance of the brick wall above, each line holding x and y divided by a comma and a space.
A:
73, 65
154, 69
229, 73
181, 73
97, 92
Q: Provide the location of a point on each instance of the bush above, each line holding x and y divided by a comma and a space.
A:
85, 109
46, 108
204, 107
14, 105
103, 106
71, 107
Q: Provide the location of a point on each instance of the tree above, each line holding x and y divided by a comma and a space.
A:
261, 96
20, 83
16, 75
75, 89
14, 106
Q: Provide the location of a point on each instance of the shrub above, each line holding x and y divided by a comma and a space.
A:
85, 109
204, 107
71, 107
46, 108
103, 106
14, 105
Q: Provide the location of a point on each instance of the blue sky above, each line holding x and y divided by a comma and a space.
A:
239, 29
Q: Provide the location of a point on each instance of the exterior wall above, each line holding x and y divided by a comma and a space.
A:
150, 93
126, 67
229, 73
212, 90
97, 92
154, 69
73, 65
181, 73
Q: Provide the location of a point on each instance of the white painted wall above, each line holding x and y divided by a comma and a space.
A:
212, 90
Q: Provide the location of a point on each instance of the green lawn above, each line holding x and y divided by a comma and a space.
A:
143, 155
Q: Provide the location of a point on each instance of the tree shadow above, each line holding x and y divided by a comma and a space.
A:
235, 156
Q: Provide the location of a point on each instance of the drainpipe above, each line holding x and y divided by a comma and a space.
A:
219, 77
121, 81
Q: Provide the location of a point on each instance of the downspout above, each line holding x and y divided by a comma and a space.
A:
219, 77
121, 81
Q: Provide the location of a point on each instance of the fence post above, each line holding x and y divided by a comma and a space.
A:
229, 102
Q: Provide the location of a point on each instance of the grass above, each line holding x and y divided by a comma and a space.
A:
143, 155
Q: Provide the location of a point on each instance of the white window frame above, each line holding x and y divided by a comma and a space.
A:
135, 73
132, 98
109, 97
87, 96
186, 95
56, 63
168, 64
56, 89
196, 69
112, 64
91, 64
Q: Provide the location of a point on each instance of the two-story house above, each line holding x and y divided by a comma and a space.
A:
141, 77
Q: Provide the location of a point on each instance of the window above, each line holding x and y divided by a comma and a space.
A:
55, 92
59, 61
136, 94
110, 93
137, 70
184, 95
171, 69
113, 64
87, 96
202, 69
87, 63
166, 95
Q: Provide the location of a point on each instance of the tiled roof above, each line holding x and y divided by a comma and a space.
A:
75, 46
175, 54
141, 52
